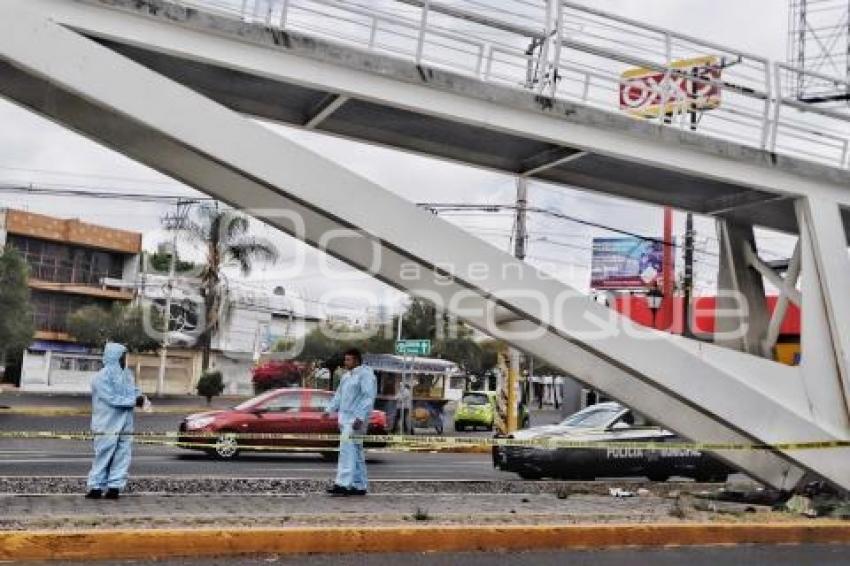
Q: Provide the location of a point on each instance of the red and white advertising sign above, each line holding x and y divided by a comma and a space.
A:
647, 92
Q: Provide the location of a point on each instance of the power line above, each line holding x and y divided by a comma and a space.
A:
89, 175
100, 194
438, 208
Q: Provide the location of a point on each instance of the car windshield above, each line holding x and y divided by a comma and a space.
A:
591, 418
474, 399
255, 401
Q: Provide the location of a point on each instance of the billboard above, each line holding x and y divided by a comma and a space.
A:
642, 90
626, 263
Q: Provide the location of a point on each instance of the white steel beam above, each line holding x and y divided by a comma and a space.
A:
740, 289
787, 293
754, 261
109, 98
825, 340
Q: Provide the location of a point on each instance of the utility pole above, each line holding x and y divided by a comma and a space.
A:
688, 282
174, 223
521, 214
519, 252
403, 400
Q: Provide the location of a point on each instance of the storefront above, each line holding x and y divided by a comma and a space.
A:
53, 366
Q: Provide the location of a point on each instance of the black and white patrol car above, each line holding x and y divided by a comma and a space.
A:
606, 422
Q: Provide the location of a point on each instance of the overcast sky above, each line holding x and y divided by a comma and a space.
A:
35, 151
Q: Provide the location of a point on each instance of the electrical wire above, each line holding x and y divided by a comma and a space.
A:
98, 194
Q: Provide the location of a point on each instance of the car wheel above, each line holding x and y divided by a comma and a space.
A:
330, 456
226, 446
658, 476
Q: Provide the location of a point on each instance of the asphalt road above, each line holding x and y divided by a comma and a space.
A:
42, 457
749, 555
26, 457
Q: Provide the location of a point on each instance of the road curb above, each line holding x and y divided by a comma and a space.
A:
161, 543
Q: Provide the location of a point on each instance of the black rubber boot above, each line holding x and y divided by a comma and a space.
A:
338, 491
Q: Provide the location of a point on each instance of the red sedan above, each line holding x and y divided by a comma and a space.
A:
288, 411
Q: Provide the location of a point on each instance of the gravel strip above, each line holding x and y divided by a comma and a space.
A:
171, 485
72, 512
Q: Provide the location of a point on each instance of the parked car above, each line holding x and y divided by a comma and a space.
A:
293, 411
606, 422
478, 409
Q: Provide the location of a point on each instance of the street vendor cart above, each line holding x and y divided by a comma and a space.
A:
411, 390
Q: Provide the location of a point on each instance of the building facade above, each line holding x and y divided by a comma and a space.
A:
69, 264
251, 323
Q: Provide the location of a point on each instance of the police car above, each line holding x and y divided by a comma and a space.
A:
599, 423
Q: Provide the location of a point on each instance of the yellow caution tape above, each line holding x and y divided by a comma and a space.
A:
196, 439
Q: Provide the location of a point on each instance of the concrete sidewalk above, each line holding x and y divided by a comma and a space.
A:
38, 521
56, 503
18, 512
15, 398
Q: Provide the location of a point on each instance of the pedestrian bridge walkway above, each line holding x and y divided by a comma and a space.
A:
525, 87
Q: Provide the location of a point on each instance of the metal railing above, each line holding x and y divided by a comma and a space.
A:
568, 51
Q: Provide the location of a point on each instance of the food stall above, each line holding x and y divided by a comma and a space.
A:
413, 387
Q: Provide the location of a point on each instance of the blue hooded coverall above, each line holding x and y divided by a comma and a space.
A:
354, 399
113, 398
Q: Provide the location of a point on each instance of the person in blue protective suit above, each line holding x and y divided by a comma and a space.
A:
353, 404
114, 395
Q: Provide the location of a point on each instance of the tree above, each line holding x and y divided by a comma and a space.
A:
95, 326
319, 347
161, 262
16, 321
454, 341
91, 325
210, 385
224, 235
465, 352
450, 338
420, 320
490, 354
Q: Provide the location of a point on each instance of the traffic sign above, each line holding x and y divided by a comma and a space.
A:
413, 347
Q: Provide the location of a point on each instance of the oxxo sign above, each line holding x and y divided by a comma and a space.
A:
413, 347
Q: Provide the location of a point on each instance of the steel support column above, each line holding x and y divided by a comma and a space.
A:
741, 321
825, 340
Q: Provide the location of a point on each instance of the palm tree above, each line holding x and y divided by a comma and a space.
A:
224, 235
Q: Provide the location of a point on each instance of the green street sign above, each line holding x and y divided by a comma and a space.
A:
413, 347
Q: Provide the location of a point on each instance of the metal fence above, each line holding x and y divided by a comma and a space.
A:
573, 52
